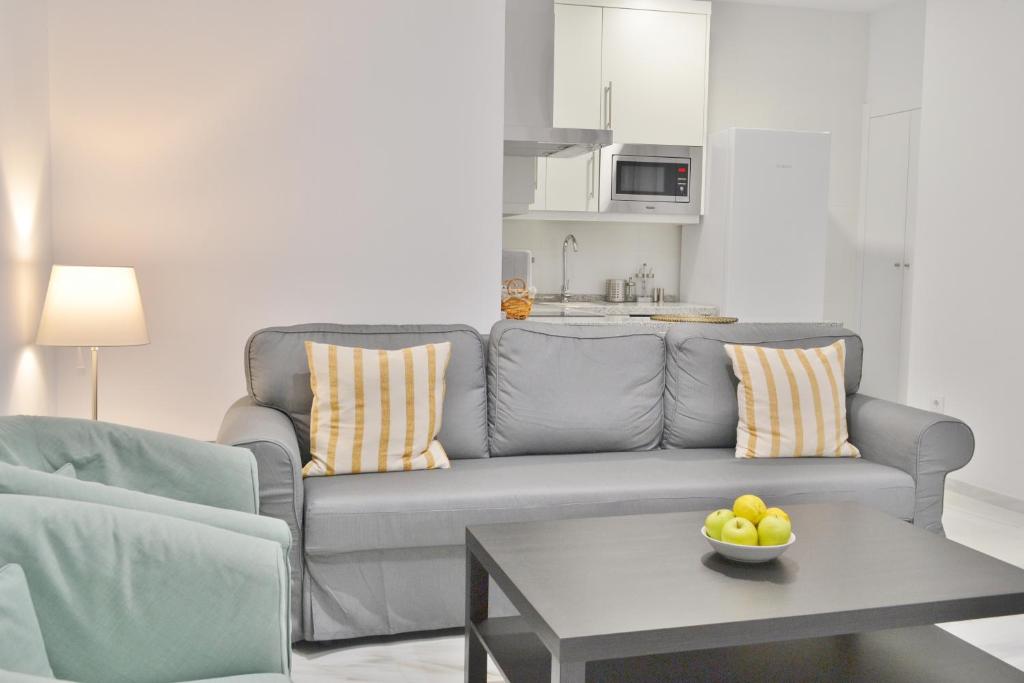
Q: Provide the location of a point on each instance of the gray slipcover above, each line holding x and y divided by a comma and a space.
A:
574, 389
578, 414
384, 551
701, 410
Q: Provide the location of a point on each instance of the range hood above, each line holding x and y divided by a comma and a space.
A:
529, 87
537, 141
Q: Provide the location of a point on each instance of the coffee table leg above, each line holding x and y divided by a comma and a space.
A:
568, 672
477, 585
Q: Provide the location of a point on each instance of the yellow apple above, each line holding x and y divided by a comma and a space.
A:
715, 521
749, 507
778, 512
739, 531
773, 530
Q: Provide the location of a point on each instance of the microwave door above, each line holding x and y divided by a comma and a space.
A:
647, 179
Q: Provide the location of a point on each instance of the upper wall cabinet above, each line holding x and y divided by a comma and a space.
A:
654, 67
572, 183
640, 69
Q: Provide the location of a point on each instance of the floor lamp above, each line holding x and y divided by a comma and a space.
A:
92, 306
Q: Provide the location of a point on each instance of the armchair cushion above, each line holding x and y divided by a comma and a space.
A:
21, 642
127, 596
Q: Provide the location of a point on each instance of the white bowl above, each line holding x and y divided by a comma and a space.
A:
751, 554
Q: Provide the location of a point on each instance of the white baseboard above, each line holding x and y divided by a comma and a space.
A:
985, 495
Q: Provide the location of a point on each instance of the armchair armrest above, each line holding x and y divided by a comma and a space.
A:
124, 595
24, 481
925, 445
161, 464
269, 434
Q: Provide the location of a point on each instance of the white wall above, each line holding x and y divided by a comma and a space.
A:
26, 380
968, 283
799, 69
607, 250
269, 162
896, 57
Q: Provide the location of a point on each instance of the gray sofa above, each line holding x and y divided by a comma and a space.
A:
547, 421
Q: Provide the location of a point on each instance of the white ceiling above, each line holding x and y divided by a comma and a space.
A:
834, 5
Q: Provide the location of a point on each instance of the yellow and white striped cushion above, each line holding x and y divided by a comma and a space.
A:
792, 402
375, 410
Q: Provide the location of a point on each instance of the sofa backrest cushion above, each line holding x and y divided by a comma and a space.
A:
277, 375
701, 408
574, 388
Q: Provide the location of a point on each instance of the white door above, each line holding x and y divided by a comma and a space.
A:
887, 213
654, 71
571, 183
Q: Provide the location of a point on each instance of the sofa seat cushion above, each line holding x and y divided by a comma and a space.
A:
433, 507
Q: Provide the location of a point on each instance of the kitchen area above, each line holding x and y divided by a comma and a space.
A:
616, 207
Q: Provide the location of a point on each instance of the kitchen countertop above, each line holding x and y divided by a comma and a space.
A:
598, 309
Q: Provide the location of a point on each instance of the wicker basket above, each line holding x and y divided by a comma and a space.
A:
516, 299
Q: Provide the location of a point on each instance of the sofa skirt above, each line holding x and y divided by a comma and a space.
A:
384, 592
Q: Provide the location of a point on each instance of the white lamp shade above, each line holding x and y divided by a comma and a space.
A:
92, 306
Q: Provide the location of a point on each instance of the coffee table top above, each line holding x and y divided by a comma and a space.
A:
607, 587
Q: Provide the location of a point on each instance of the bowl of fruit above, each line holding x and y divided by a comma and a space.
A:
750, 532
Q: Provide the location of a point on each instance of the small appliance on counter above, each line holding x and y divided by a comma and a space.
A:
517, 264
644, 275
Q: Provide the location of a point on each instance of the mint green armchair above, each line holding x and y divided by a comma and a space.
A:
147, 563
129, 596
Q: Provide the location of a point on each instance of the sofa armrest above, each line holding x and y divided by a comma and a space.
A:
124, 595
269, 434
925, 445
161, 464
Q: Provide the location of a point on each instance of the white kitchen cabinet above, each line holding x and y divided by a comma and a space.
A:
572, 183
641, 72
654, 68
889, 216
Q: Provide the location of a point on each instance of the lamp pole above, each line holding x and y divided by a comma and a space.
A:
95, 381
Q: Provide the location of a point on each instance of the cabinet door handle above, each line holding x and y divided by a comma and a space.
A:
590, 177
608, 106
897, 265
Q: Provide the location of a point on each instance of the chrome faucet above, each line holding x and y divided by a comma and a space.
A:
569, 240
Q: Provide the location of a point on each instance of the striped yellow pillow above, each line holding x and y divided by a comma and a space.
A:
375, 410
792, 402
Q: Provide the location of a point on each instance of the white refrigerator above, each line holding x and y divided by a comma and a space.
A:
759, 253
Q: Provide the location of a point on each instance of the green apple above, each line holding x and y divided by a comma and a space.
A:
715, 521
773, 530
739, 531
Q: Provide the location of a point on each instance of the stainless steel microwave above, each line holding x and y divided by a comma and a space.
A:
651, 179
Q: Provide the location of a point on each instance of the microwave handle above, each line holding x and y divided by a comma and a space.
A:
590, 175
608, 106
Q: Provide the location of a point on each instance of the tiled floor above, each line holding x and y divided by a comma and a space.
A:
993, 530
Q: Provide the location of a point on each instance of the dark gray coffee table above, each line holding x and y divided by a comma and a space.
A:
643, 598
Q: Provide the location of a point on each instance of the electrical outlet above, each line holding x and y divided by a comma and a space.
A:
938, 404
